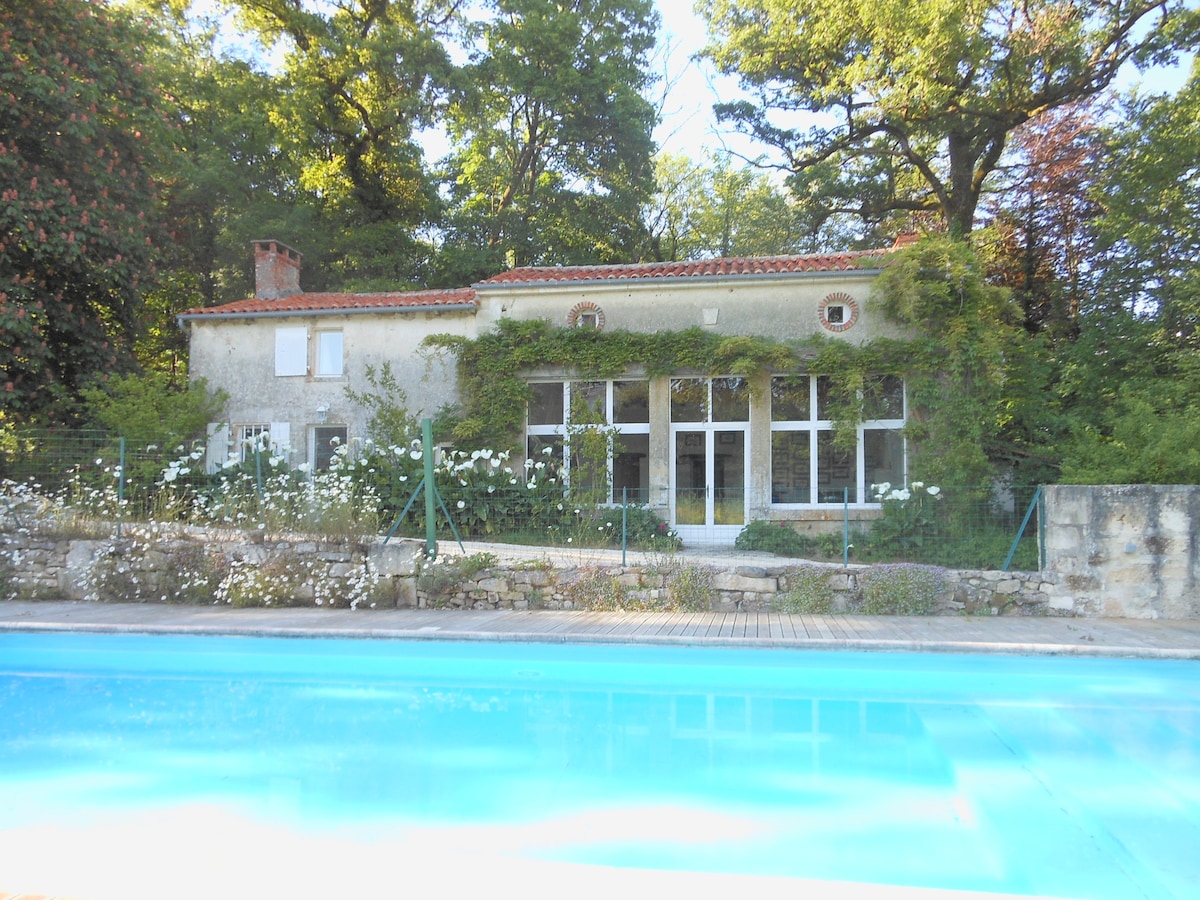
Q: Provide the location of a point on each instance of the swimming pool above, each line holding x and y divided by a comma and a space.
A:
179, 766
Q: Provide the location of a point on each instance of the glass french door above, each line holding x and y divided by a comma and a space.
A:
708, 498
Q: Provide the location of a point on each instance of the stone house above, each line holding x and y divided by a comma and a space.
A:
709, 453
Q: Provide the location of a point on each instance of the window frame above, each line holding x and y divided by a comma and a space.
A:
557, 433
819, 427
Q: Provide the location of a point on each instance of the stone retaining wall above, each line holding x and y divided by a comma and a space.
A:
199, 565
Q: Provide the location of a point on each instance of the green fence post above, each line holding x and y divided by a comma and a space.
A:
1033, 504
624, 521
845, 527
430, 500
120, 483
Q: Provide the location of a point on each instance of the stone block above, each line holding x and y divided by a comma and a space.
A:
731, 581
396, 558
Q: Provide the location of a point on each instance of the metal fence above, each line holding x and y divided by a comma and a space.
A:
480, 496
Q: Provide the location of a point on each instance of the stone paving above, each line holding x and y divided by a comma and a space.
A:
1013, 635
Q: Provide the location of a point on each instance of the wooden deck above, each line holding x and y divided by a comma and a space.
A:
1095, 637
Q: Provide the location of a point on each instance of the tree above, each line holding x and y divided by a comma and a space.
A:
357, 81
1038, 238
716, 210
553, 133
77, 203
913, 103
977, 381
1148, 235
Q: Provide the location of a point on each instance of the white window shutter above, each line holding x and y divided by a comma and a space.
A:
281, 440
291, 350
217, 449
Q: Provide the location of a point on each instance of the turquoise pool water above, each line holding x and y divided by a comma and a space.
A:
173, 764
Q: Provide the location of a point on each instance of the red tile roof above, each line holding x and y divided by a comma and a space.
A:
333, 301
761, 265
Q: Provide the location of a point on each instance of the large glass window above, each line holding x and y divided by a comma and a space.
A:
807, 467
565, 418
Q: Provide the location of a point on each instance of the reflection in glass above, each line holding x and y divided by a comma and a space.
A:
730, 400
631, 467
789, 398
689, 400
835, 471
729, 478
631, 402
690, 487
546, 403
791, 478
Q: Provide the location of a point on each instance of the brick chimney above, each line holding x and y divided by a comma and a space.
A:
276, 270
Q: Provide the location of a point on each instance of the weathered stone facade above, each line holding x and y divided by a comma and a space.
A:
1125, 551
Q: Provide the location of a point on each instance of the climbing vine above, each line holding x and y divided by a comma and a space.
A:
494, 392
975, 401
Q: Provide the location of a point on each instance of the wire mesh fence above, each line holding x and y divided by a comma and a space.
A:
369, 489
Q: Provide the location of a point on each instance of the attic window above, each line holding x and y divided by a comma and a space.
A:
838, 312
586, 314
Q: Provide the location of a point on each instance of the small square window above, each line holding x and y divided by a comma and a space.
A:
835, 315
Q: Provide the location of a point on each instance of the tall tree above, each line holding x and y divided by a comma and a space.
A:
718, 210
77, 203
358, 80
1038, 235
915, 102
553, 133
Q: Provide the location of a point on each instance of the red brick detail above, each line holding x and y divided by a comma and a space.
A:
276, 270
850, 311
584, 307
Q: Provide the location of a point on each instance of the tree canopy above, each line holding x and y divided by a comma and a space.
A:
79, 116
909, 106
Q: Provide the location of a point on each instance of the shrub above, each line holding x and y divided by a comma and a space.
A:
690, 587
808, 592
901, 589
911, 521
595, 589
774, 537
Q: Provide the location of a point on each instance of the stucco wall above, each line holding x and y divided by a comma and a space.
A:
784, 307
238, 356
1129, 551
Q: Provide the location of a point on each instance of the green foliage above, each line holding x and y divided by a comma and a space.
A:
149, 407
78, 238
779, 538
808, 591
912, 522
711, 209
914, 103
690, 588
900, 590
553, 135
389, 422
495, 395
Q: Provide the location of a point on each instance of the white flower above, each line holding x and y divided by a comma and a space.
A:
462, 504
416, 454
917, 485
170, 474
933, 490
486, 454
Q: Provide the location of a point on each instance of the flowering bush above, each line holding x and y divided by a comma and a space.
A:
910, 517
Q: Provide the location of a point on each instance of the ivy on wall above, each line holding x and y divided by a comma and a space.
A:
491, 367
976, 399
